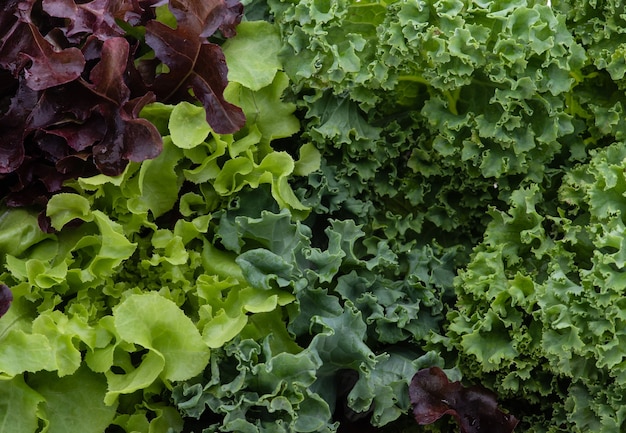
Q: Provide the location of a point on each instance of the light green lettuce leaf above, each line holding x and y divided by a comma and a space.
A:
20, 349
159, 182
309, 161
206, 159
225, 304
19, 230
252, 55
64, 207
188, 126
133, 379
266, 108
114, 249
157, 324
20, 406
223, 327
83, 392
63, 333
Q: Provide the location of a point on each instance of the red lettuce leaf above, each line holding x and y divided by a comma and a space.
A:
231, 17
107, 77
93, 18
12, 126
6, 297
195, 64
475, 408
24, 49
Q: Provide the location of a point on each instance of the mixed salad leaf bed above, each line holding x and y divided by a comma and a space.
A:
312, 216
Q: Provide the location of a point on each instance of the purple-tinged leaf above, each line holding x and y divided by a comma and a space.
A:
8, 16
24, 48
6, 297
208, 82
93, 18
475, 408
141, 138
107, 77
81, 136
108, 154
199, 18
11, 149
51, 67
12, 127
194, 64
55, 108
232, 17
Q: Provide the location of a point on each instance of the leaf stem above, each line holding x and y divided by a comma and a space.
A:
10, 325
414, 78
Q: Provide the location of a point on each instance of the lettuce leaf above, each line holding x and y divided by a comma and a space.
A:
20, 403
83, 392
474, 408
6, 297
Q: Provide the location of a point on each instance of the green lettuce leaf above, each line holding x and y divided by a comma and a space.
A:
158, 325
83, 391
20, 403
252, 55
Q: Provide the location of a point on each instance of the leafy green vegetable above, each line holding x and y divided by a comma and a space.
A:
20, 406
82, 392
442, 108
432, 119
134, 289
416, 184
540, 309
253, 55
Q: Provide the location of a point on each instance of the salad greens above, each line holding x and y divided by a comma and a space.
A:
76, 76
312, 216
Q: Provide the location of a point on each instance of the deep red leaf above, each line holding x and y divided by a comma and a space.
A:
475, 408
232, 17
108, 154
11, 149
96, 17
57, 106
6, 297
8, 16
199, 18
194, 64
24, 48
51, 67
141, 138
208, 82
81, 136
107, 77
12, 127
